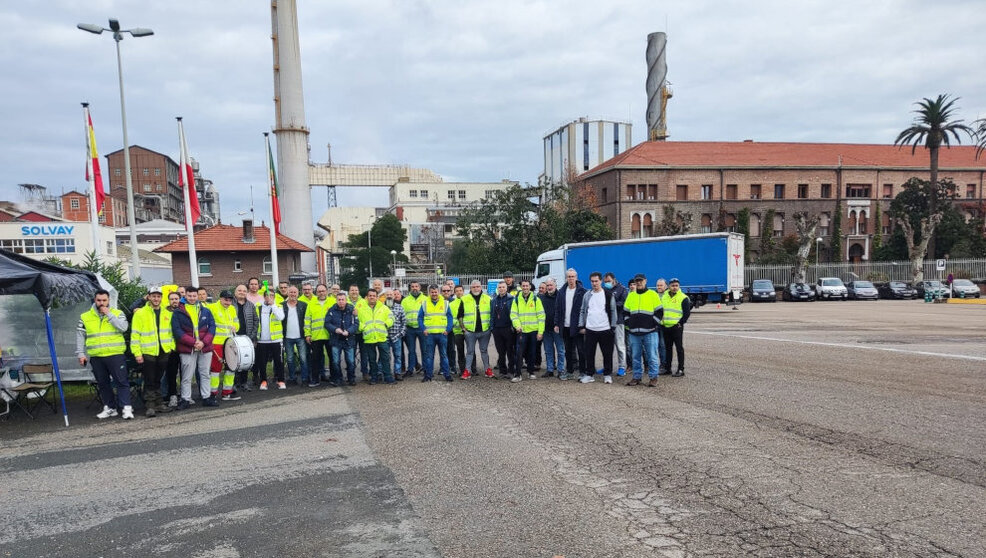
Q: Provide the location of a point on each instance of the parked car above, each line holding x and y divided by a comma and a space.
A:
799, 291
831, 288
934, 287
897, 289
964, 288
762, 290
862, 290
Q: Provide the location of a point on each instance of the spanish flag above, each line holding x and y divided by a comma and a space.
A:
93, 156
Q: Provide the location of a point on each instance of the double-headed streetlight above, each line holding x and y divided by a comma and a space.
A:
118, 36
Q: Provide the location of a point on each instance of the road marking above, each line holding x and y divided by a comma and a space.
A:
844, 346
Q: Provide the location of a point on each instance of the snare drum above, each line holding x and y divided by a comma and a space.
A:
238, 351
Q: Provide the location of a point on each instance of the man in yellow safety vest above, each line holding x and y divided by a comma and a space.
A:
413, 336
374, 320
527, 317
99, 340
151, 343
677, 308
436, 319
221, 378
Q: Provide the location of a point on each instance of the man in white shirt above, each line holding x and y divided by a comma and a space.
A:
597, 321
270, 332
295, 346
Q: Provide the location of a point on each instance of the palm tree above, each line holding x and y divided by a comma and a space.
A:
932, 127
980, 136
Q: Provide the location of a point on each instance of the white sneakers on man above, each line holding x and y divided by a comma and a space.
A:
109, 412
607, 379
128, 412
587, 379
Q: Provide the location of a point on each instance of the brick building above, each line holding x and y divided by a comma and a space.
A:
75, 207
155, 182
229, 255
713, 181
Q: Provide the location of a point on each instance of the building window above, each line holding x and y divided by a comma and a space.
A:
631, 191
109, 247
605, 193
147, 187
648, 228
706, 222
730, 222
237, 266
74, 203
489, 194
754, 224
778, 191
823, 224
117, 172
681, 192
158, 187
802, 191
147, 172
970, 191
157, 172
826, 191
205, 266
857, 190
885, 225
102, 217
448, 228
268, 266
778, 225
754, 191
462, 195
412, 193
635, 226
451, 195
706, 191
731, 191
424, 194
652, 192
888, 190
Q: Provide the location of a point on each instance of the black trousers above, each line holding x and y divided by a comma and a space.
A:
673, 336
538, 351
321, 357
604, 339
109, 371
459, 342
171, 375
265, 353
152, 370
574, 352
526, 345
504, 339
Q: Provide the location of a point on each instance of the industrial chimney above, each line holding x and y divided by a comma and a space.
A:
658, 90
290, 129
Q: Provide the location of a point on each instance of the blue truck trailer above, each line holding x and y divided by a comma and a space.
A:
709, 266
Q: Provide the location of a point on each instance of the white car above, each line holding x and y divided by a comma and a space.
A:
964, 288
831, 288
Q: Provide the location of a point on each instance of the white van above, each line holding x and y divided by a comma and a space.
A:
831, 288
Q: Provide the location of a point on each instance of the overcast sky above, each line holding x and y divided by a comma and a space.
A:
467, 88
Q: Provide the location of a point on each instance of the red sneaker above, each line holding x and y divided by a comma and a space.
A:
489, 372
466, 375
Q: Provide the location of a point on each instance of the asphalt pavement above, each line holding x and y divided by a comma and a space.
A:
800, 429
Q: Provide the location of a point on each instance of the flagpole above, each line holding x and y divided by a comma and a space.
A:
193, 261
90, 173
273, 224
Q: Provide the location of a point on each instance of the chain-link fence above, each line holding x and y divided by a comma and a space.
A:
974, 269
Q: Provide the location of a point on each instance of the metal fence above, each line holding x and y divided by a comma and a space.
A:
874, 271
464, 280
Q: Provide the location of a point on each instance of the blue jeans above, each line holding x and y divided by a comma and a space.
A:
414, 338
661, 350
639, 344
364, 361
379, 357
290, 346
397, 350
350, 353
432, 341
554, 343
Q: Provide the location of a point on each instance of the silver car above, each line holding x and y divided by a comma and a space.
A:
862, 290
964, 288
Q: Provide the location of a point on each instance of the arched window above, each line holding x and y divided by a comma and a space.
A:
853, 221
823, 224
706, 223
778, 224
754, 224
730, 222
635, 226
205, 266
863, 223
648, 229
268, 266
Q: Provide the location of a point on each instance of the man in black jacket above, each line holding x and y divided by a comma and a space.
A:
503, 331
567, 323
294, 336
554, 344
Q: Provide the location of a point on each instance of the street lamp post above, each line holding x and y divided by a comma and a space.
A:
131, 216
818, 248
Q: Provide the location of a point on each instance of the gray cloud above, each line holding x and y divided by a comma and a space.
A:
468, 88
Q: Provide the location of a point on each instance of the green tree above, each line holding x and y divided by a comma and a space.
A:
673, 222
933, 127
877, 227
385, 235
912, 211
837, 233
767, 236
743, 227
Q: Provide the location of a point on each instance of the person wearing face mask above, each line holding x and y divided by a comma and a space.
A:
677, 309
643, 314
620, 292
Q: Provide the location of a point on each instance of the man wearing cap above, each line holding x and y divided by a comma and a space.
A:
512, 288
642, 313
677, 308
151, 343
221, 378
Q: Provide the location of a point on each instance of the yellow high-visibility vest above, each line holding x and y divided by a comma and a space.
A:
148, 337
102, 338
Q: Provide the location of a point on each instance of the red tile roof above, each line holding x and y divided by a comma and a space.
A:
229, 238
651, 154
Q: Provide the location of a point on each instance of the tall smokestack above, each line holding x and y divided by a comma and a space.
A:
658, 91
290, 129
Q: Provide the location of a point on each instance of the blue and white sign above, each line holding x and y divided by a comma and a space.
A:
47, 230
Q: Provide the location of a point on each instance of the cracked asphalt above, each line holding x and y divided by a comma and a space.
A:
819, 429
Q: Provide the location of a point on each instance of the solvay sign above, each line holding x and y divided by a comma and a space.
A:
47, 230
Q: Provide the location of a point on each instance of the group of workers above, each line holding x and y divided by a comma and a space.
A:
180, 336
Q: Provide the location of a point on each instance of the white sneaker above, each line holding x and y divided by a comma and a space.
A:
173, 401
587, 379
108, 412
607, 379
128, 413
534, 376
515, 379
